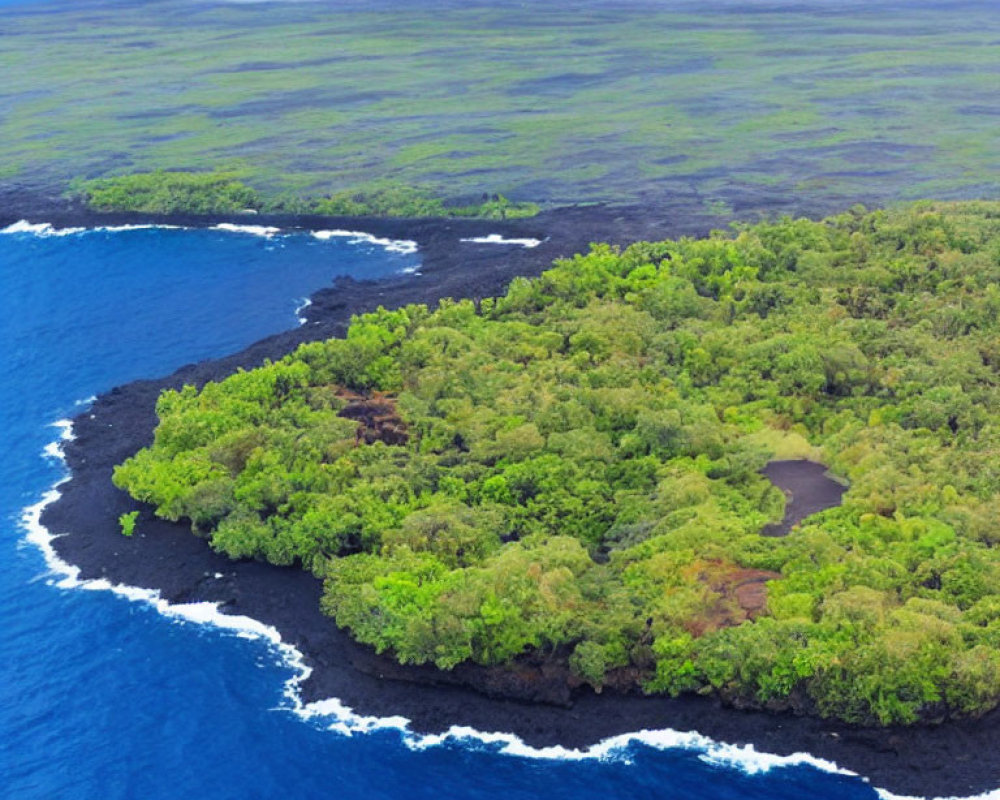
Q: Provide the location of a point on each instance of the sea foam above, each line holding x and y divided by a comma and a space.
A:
46, 229
496, 238
306, 302
404, 246
333, 715
41, 229
254, 230
149, 227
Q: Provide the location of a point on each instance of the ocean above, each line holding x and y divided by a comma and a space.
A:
103, 695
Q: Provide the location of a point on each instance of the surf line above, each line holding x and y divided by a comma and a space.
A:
46, 229
331, 714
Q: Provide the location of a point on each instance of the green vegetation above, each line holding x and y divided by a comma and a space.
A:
400, 201
164, 192
127, 522
170, 192
654, 103
570, 472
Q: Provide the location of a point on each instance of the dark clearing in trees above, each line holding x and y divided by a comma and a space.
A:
807, 488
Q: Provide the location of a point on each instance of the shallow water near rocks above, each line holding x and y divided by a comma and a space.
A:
105, 698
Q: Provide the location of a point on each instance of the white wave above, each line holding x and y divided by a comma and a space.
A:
121, 228
254, 230
346, 722
302, 307
46, 229
54, 450
404, 246
343, 720
745, 758
38, 534
496, 238
41, 229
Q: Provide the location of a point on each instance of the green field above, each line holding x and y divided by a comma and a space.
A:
723, 106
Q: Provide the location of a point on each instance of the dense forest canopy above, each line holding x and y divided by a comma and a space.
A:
571, 471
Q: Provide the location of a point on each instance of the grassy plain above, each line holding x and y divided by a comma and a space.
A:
731, 106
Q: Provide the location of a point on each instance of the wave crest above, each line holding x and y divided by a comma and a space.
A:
404, 246
46, 229
266, 231
41, 229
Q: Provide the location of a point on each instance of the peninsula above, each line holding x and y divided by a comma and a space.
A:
655, 383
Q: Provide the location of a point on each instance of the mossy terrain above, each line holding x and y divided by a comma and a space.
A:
163, 192
570, 473
729, 105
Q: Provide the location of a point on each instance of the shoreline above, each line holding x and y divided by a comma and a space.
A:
950, 760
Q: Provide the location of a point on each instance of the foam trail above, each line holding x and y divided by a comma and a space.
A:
405, 246
37, 534
255, 230
302, 307
745, 758
343, 720
46, 229
54, 449
496, 238
121, 228
41, 229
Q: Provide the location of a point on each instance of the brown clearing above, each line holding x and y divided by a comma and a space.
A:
734, 595
377, 417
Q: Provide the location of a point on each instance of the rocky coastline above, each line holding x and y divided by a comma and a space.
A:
534, 701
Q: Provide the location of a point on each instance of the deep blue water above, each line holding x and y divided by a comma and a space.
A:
105, 698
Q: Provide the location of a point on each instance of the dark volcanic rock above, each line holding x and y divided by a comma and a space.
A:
808, 490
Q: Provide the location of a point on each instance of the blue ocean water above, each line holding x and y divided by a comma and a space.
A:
105, 698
